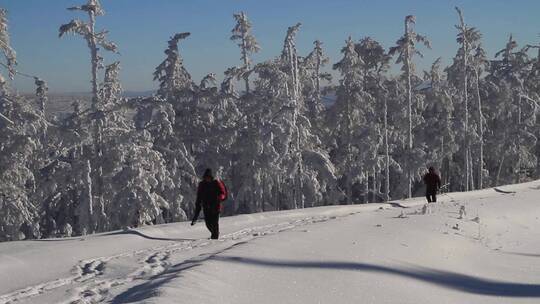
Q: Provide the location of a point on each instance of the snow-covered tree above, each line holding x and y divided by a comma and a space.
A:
130, 162
461, 73
136, 185
171, 74
464, 41
110, 91
512, 115
95, 40
375, 65
480, 64
350, 119
438, 113
21, 129
5, 46
246, 42
532, 85
405, 51
41, 93
312, 65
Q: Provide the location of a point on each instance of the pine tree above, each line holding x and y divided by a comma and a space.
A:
246, 42
438, 113
20, 133
406, 49
461, 72
375, 65
349, 118
94, 40
312, 65
480, 64
510, 122
5, 46
171, 74
9, 54
290, 60
532, 85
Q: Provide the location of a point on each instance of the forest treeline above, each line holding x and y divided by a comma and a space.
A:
265, 129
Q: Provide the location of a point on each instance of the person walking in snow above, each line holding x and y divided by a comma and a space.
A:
433, 184
210, 194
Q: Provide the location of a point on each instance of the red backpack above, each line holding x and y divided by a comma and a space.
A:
224, 194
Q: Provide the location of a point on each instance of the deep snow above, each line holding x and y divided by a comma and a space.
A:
377, 253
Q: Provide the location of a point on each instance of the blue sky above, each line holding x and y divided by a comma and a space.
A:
141, 28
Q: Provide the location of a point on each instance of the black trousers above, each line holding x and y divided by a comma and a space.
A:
211, 219
431, 196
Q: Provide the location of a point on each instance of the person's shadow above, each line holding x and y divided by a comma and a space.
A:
447, 279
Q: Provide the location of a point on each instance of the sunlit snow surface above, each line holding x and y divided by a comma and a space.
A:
378, 253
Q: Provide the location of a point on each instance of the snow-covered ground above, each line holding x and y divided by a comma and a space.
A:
379, 253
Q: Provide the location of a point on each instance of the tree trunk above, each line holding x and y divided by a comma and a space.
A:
481, 133
375, 191
366, 188
348, 153
95, 102
466, 102
409, 107
318, 78
348, 187
499, 170
518, 173
246, 62
85, 218
471, 175
387, 155
465, 47
94, 57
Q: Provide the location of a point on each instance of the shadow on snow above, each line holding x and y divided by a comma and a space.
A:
446, 279
138, 233
122, 232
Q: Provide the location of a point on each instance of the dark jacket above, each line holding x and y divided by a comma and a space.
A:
208, 197
432, 181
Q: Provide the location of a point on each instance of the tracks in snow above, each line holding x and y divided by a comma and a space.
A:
90, 284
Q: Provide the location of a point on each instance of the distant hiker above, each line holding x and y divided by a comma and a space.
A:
433, 184
210, 194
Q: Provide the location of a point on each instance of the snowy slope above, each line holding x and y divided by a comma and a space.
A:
380, 253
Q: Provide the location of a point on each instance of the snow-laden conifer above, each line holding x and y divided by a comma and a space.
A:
246, 42
406, 50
